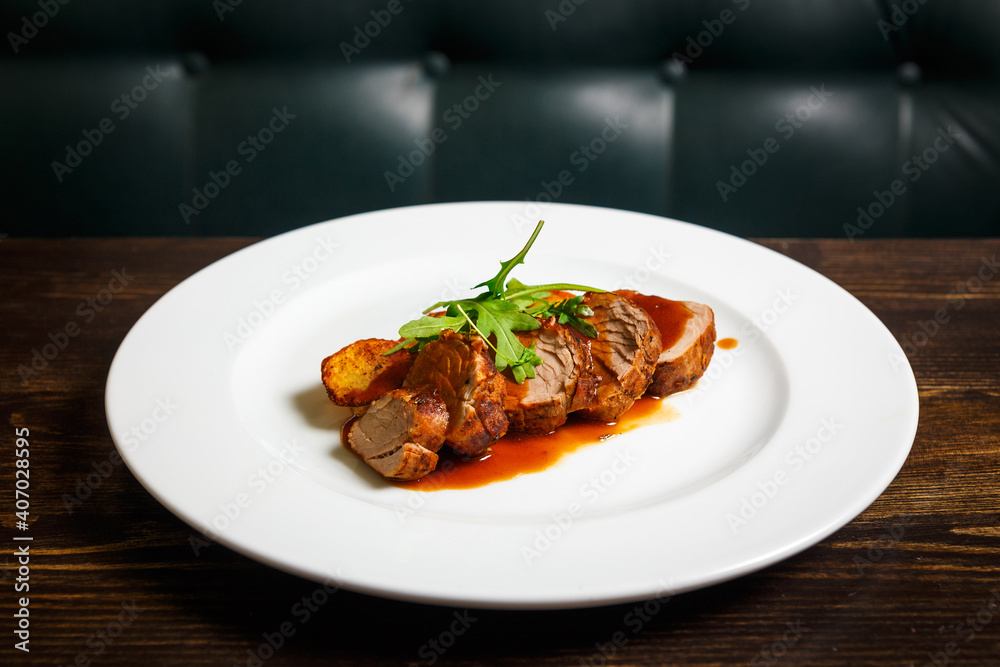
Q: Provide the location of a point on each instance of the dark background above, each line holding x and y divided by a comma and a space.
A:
691, 87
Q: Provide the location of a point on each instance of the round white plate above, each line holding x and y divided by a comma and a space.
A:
215, 403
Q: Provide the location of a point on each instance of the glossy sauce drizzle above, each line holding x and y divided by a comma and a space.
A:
520, 453
727, 343
670, 316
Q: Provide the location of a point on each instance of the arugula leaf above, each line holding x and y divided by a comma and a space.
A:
571, 312
533, 299
502, 318
495, 284
516, 289
499, 312
430, 327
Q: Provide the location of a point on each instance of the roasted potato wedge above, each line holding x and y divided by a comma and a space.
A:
361, 372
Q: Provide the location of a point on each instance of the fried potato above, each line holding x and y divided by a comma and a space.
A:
362, 372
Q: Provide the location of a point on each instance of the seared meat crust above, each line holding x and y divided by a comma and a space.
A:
401, 433
624, 353
564, 379
682, 364
458, 370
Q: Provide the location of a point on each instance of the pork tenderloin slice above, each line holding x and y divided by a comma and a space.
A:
400, 433
624, 353
683, 363
687, 329
458, 370
542, 404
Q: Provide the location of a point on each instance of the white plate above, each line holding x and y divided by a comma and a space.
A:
215, 404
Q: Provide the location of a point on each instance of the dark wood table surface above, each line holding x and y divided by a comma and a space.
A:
914, 580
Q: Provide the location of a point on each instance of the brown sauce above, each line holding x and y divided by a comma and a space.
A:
727, 343
520, 453
670, 316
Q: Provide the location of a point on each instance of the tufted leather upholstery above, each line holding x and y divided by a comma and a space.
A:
757, 118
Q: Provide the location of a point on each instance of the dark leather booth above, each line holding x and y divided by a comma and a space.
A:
822, 118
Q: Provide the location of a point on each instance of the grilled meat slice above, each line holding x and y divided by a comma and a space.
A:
624, 353
400, 434
687, 329
679, 366
564, 379
459, 371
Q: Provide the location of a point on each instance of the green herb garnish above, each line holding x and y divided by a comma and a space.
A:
499, 312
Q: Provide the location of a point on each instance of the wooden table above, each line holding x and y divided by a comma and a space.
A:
113, 578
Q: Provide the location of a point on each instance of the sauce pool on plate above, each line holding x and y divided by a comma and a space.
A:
520, 453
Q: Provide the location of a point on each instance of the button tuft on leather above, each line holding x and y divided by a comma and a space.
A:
673, 71
436, 64
195, 63
909, 73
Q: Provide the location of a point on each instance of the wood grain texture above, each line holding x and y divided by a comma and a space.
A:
115, 581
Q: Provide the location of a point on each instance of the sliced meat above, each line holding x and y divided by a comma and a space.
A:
683, 363
564, 378
624, 353
688, 332
458, 370
400, 433
362, 371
